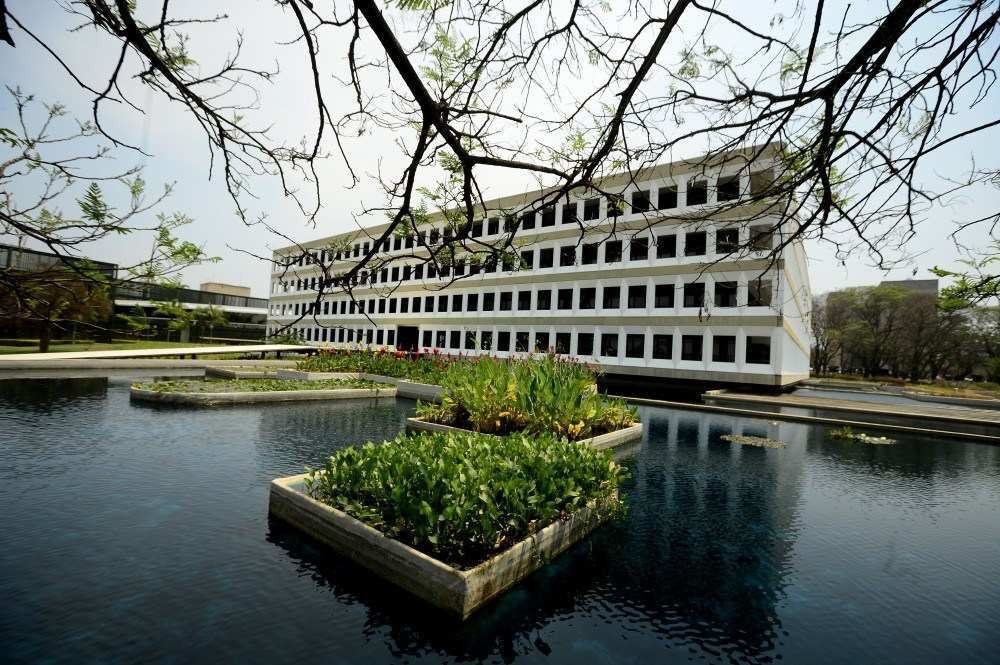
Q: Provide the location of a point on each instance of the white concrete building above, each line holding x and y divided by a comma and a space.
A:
681, 289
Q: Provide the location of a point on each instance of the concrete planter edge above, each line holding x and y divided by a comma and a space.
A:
602, 441
458, 592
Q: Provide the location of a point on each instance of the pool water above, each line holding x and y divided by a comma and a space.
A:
136, 533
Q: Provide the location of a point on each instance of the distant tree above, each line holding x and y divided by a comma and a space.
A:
181, 319
61, 297
50, 159
855, 101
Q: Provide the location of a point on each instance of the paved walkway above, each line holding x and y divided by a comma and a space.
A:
158, 353
981, 417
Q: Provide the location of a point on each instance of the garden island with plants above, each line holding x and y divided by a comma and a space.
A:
514, 470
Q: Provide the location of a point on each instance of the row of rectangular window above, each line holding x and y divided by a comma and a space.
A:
726, 242
759, 294
757, 351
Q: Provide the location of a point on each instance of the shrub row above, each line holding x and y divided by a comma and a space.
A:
464, 497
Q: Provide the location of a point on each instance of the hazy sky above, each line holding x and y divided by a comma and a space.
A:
179, 152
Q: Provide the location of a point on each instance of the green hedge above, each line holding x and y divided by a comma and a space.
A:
462, 498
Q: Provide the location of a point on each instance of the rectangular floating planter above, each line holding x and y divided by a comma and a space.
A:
601, 441
240, 373
459, 592
210, 399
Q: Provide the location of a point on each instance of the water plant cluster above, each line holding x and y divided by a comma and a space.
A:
463, 497
756, 441
251, 385
538, 396
847, 434
420, 368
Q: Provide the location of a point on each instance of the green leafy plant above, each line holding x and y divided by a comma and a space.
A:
463, 497
534, 395
426, 368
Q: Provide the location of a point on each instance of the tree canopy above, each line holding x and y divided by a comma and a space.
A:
860, 100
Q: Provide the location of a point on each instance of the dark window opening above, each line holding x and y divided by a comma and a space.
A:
761, 238
759, 350
569, 214
562, 343
694, 243
634, 346
613, 251
589, 254
638, 249
567, 255
663, 296
506, 299
544, 300
564, 299
612, 297
549, 215
472, 302
609, 345
442, 303
640, 201
488, 299
725, 294
527, 220
456, 302
591, 209
523, 300
521, 341
455, 339
545, 257
666, 247
527, 259
470, 340
728, 188
486, 340
697, 192
503, 341
694, 295
588, 298
723, 349
585, 344
727, 241
663, 347
637, 297
691, 347
541, 342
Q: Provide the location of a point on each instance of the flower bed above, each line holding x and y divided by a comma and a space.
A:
454, 518
536, 396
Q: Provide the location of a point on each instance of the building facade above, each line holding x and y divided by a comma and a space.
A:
662, 287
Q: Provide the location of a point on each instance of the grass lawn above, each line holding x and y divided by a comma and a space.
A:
118, 345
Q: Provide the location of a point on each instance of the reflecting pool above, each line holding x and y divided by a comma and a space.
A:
136, 533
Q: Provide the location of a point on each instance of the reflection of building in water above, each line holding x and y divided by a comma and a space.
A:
42, 394
716, 523
289, 435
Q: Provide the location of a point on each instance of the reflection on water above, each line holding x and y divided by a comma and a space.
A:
141, 534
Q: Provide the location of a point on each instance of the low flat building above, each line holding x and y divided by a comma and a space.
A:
662, 287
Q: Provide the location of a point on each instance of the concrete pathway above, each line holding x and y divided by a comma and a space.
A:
157, 353
917, 412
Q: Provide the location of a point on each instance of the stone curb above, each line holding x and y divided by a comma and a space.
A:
459, 592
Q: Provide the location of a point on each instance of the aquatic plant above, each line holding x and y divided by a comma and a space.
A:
534, 395
848, 434
463, 497
251, 385
756, 441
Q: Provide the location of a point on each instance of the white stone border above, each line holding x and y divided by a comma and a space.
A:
459, 592
212, 399
600, 442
